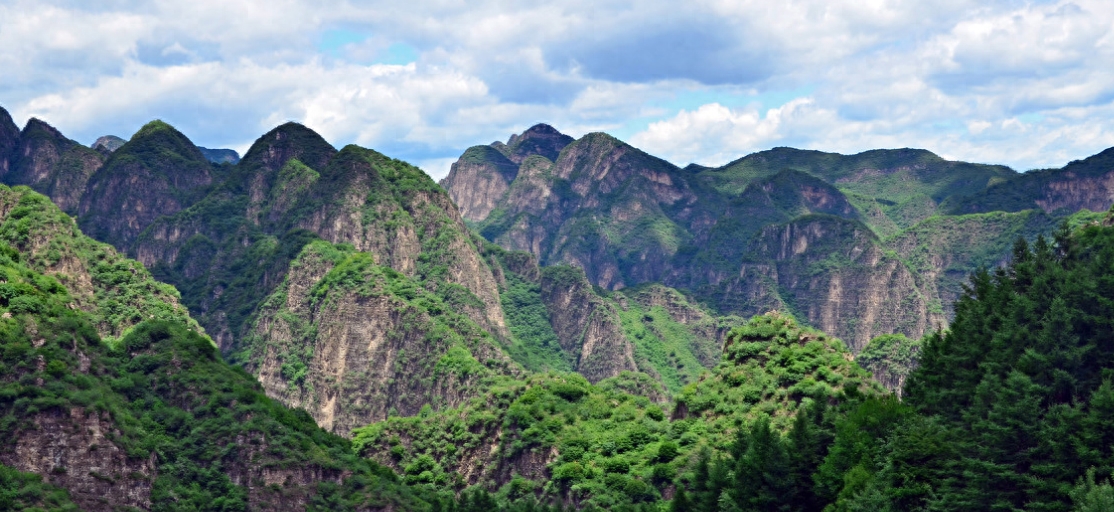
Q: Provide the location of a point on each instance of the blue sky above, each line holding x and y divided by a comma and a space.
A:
1027, 84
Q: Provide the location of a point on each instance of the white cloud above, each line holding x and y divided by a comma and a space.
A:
1020, 83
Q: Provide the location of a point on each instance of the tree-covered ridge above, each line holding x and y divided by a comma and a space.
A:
770, 367
557, 438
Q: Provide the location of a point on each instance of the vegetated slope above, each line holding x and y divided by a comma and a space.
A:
560, 322
747, 237
560, 438
235, 239
115, 292
158, 172
1081, 184
1016, 394
154, 419
239, 255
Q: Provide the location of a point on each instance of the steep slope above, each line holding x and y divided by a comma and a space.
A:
1081, 184
50, 163
353, 342
487, 173
481, 176
618, 212
116, 293
241, 256
540, 139
559, 321
726, 235
158, 172
560, 437
836, 274
153, 420
9, 141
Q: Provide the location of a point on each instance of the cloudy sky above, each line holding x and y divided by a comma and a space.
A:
1027, 84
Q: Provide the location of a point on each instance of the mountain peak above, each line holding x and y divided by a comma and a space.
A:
108, 143
540, 139
162, 134
36, 127
290, 140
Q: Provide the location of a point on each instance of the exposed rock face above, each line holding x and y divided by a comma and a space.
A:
73, 449
158, 172
9, 141
483, 173
352, 356
1082, 184
860, 292
108, 143
739, 236
52, 164
586, 325
487, 173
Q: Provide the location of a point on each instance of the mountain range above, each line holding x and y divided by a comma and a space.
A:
469, 333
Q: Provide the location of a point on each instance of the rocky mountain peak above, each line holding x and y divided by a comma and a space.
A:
108, 143
540, 139
288, 141
158, 172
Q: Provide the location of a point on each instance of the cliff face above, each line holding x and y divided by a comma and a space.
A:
487, 173
52, 164
1082, 184
483, 174
353, 342
742, 238
9, 140
347, 358
74, 450
835, 274
153, 414
587, 326
158, 172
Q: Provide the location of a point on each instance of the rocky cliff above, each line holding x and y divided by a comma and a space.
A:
52, 164
9, 140
153, 416
158, 172
353, 342
743, 238
1081, 184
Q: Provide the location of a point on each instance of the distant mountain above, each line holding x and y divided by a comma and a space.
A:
836, 239
108, 143
220, 156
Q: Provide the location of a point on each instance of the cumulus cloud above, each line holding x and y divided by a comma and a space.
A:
1017, 83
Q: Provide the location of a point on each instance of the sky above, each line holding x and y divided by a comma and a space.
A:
1026, 84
